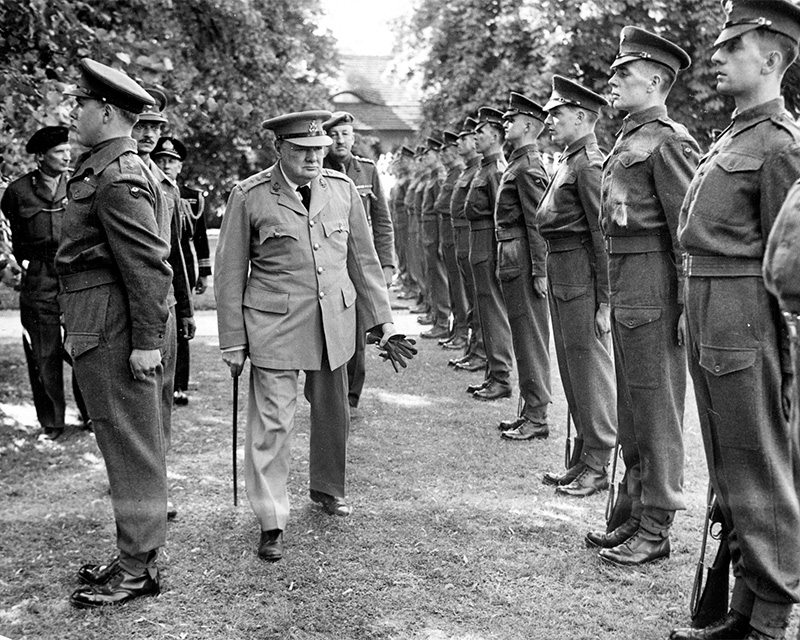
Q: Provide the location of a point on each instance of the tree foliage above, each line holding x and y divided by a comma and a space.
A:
226, 64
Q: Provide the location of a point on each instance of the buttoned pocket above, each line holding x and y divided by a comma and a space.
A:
736, 162
567, 292
79, 344
568, 179
266, 300
341, 225
349, 294
81, 199
629, 158
641, 343
267, 232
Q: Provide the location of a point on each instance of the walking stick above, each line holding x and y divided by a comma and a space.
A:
568, 443
235, 419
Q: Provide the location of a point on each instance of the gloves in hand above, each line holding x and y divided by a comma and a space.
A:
397, 350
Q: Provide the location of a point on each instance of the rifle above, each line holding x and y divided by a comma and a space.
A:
709, 601
619, 503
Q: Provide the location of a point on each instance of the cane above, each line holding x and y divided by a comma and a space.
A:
235, 419
568, 443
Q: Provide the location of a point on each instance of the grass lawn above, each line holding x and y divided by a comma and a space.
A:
453, 535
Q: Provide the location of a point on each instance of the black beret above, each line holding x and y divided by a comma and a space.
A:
46, 138
101, 82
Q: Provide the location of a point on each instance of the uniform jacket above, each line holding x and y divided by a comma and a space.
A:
461, 190
521, 188
116, 220
419, 192
442, 204
287, 279
431, 193
782, 256
571, 204
364, 173
194, 234
483, 189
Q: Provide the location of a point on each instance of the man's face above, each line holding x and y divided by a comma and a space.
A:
169, 165
86, 120
484, 139
562, 123
629, 86
300, 164
430, 159
343, 141
515, 128
738, 64
146, 133
55, 160
466, 145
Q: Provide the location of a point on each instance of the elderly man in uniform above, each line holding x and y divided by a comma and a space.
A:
34, 207
521, 266
479, 208
365, 175
114, 277
294, 254
577, 277
738, 349
644, 180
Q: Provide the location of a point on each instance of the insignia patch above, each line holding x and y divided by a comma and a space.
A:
135, 192
687, 150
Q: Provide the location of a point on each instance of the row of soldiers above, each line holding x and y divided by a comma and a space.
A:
639, 261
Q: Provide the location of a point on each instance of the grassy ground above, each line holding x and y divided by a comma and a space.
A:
453, 535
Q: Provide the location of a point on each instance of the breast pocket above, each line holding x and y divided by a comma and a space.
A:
337, 232
81, 199
739, 181
277, 232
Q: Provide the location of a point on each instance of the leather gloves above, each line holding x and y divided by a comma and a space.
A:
397, 350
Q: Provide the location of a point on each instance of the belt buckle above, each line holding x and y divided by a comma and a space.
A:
609, 244
687, 264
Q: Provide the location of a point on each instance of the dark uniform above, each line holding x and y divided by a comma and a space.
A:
417, 198
738, 355
399, 215
435, 271
412, 248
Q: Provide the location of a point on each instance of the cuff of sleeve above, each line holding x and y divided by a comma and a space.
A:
148, 337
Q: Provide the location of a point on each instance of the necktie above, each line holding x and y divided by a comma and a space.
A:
305, 195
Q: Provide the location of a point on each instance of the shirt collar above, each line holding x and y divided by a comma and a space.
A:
523, 150
579, 144
635, 120
105, 153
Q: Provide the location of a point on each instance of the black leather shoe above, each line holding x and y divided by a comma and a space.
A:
453, 362
734, 626
97, 574
472, 364
435, 333
493, 391
121, 587
558, 480
472, 388
270, 545
51, 433
612, 538
180, 398
641, 548
332, 505
587, 483
527, 431
508, 425
172, 510
426, 318
456, 344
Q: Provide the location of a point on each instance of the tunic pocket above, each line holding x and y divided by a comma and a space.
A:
509, 259
266, 300
267, 232
642, 345
78, 344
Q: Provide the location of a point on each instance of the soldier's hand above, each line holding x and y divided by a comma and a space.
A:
681, 330
787, 394
235, 361
188, 328
602, 320
201, 286
388, 275
144, 362
394, 347
540, 286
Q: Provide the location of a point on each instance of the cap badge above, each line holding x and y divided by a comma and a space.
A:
313, 127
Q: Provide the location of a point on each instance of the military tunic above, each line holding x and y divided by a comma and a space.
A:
568, 219
735, 353
644, 180
435, 270
479, 210
458, 299
520, 257
114, 277
399, 215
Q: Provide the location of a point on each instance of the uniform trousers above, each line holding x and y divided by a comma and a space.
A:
414, 255
490, 304
462, 234
651, 383
435, 272
400, 220
529, 320
584, 360
126, 413
270, 424
458, 299
357, 365
168, 362
735, 363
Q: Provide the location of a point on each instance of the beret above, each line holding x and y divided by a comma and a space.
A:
46, 138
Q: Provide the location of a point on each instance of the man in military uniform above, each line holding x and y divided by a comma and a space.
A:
738, 351
521, 266
424, 309
402, 171
644, 180
479, 208
413, 253
34, 207
169, 154
364, 174
295, 251
114, 277
577, 277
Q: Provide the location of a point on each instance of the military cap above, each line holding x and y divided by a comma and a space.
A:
155, 112
450, 138
101, 82
638, 44
489, 115
468, 128
519, 104
566, 91
339, 117
420, 150
780, 16
46, 138
406, 152
303, 128
433, 144
170, 147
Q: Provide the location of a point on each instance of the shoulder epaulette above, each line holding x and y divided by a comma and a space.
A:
787, 122
675, 126
332, 173
261, 177
364, 160
594, 155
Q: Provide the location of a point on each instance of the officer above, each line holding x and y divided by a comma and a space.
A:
738, 351
644, 180
34, 208
114, 277
479, 208
364, 174
521, 266
474, 358
577, 276
295, 251
169, 154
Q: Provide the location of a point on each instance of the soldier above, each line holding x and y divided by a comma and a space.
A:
402, 171
295, 251
738, 350
169, 154
34, 207
364, 174
577, 277
521, 266
644, 180
413, 246
114, 277
479, 208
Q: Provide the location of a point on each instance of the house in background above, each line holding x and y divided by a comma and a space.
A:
383, 104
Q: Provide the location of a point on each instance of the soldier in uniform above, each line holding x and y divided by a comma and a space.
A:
169, 154
424, 309
738, 349
397, 209
521, 266
479, 208
364, 174
34, 208
295, 251
644, 180
114, 278
577, 276
412, 247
